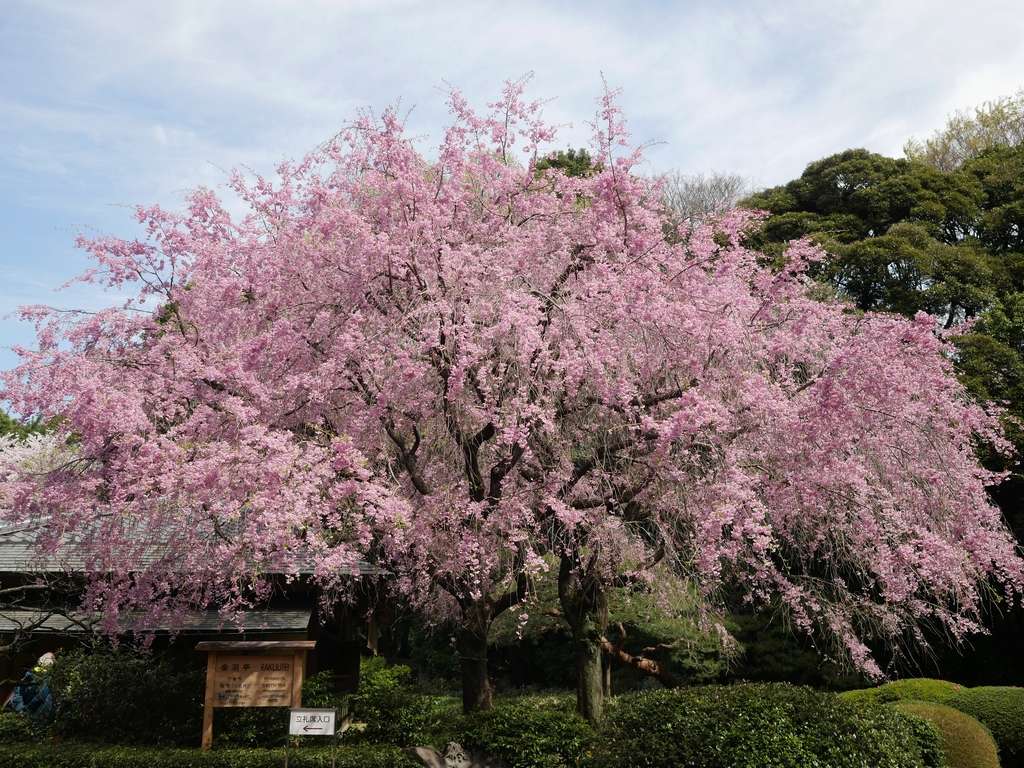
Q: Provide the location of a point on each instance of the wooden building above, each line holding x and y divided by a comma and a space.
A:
39, 596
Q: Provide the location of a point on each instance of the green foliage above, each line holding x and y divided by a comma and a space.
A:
916, 688
1000, 172
529, 732
753, 726
71, 755
21, 429
993, 125
430, 650
123, 697
249, 727
15, 727
572, 162
928, 738
1001, 710
394, 713
965, 742
991, 357
691, 650
896, 231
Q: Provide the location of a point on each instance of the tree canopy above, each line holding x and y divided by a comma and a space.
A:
917, 234
997, 123
467, 366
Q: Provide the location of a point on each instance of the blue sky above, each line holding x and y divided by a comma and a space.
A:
106, 104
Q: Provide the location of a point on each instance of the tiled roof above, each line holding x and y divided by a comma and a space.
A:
19, 554
198, 622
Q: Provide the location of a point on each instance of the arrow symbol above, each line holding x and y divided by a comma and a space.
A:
309, 728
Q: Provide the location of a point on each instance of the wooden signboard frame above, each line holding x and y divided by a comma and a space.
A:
293, 650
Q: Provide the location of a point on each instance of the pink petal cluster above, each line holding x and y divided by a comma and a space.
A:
457, 365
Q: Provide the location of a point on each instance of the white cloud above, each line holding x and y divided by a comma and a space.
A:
758, 87
107, 102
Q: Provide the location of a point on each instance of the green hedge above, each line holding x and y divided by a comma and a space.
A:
123, 697
394, 713
120, 697
15, 727
757, 726
929, 739
915, 688
1001, 710
95, 756
529, 732
966, 743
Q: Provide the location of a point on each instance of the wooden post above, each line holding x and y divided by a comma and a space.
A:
211, 674
298, 668
298, 673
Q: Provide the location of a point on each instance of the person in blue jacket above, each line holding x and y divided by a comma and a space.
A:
32, 694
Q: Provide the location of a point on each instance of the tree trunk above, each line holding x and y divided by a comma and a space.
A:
585, 608
607, 687
477, 693
589, 676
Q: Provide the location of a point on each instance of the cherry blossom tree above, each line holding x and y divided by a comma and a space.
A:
465, 366
29, 603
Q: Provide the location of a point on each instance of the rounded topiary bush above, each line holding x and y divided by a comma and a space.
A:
966, 743
1001, 710
915, 688
757, 726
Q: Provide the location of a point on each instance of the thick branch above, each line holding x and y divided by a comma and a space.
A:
408, 456
501, 469
512, 597
470, 446
640, 663
24, 588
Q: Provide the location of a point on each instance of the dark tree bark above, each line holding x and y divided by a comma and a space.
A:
585, 607
477, 692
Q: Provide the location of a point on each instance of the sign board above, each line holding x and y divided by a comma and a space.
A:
253, 681
252, 673
311, 722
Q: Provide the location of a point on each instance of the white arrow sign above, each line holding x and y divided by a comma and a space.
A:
311, 722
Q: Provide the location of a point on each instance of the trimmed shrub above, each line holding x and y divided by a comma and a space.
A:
72, 755
529, 732
927, 736
754, 726
1001, 710
915, 688
15, 727
966, 743
394, 713
125, 698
